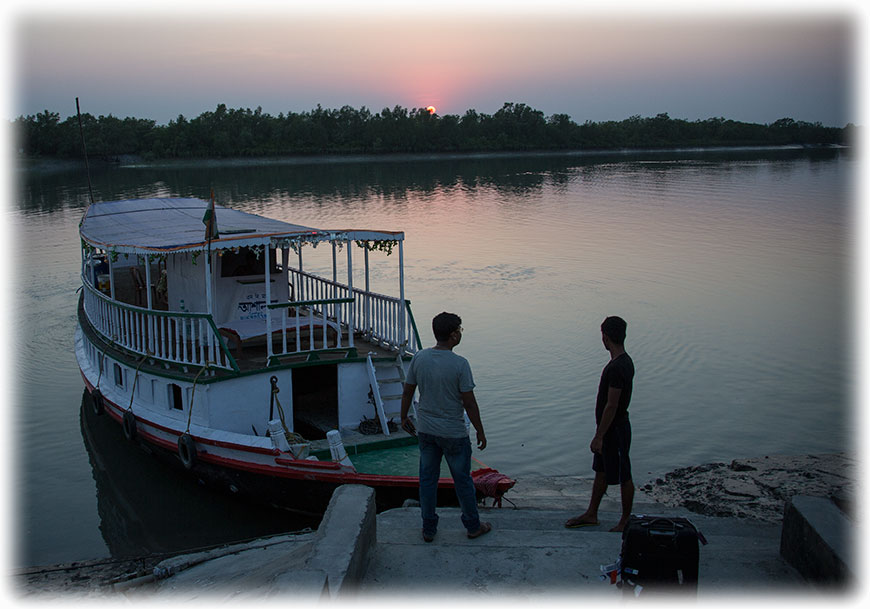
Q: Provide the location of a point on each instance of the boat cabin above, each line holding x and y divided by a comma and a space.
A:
200, 293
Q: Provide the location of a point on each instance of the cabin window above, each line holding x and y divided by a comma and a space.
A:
246, 262
119, 375
175, 397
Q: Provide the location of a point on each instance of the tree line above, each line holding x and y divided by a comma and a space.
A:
241, 132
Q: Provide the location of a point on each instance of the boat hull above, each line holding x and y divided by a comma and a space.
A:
306, 491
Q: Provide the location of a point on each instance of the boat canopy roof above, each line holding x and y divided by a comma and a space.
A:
167, 225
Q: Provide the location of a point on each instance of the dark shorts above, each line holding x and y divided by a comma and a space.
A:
613, 461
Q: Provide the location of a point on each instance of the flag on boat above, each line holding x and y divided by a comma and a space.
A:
210, 221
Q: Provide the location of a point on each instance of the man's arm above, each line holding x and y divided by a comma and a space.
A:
606, 418
469, 402
407, 397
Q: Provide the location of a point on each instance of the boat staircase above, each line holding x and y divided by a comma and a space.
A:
386, 380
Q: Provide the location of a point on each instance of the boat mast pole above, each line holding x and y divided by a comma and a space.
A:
403, 308
85, 151
300, 293
334, 274
268, 254
368, 299
208, 280
285, 268
148, 281
111, 275
350, 316
211, 233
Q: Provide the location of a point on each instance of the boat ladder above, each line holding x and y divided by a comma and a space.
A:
387, 382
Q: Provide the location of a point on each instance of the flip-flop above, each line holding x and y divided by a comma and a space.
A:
485, 528
578, 525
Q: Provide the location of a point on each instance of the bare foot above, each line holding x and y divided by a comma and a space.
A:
580, 521
619, 528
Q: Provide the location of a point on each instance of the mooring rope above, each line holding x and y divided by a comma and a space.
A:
292, 437
136, 378
100, 366
193, 394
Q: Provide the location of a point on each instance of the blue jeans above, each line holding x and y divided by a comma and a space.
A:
457, 452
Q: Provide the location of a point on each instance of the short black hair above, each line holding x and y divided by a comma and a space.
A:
445, 324
614, 327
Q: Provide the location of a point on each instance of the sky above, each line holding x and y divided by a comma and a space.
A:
754, 62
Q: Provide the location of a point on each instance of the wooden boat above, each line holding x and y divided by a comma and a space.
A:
202, 335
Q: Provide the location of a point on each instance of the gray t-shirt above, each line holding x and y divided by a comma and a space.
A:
441, 376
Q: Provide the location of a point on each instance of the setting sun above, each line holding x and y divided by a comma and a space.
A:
431, 109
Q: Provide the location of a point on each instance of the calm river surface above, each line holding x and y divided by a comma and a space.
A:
733, 269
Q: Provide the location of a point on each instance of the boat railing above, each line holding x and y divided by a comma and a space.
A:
379, 318
177, 337
315, 321
416, 342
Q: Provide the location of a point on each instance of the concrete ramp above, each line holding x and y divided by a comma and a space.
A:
529, 553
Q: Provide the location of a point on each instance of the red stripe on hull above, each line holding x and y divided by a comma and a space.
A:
302, 470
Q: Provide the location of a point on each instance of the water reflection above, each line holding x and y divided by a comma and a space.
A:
358, 178
147, 506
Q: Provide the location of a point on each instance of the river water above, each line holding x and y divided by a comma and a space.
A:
733, 269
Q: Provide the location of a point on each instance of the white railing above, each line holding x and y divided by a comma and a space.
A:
308, 328
181, 338
308, 287
380, 318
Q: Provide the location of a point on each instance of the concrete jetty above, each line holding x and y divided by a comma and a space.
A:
529, 554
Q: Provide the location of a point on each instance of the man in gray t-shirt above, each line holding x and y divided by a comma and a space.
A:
442, 377
446, 394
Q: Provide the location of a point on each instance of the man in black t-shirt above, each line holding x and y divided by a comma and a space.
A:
612, 439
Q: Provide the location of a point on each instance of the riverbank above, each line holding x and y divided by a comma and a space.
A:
758, 488
746, 493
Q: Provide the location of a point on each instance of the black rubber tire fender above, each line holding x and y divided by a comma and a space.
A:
129, 425
97, 404
187, 450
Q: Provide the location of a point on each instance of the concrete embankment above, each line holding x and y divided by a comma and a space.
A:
528, 554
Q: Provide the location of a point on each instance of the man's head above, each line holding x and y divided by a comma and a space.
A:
444, 325
613, 328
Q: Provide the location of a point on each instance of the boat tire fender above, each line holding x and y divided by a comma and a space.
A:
187, 450
97, 402
129, 425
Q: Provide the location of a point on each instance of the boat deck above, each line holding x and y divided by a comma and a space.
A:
251, 355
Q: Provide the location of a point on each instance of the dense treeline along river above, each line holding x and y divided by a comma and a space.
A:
733, 269
238, 132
